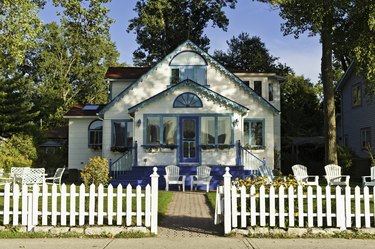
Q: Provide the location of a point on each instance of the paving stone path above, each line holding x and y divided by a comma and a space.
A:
188, 215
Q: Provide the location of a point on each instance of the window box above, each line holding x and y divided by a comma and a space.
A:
225, 146
254, 147
95, 147
208, 147
120, 149
151, 148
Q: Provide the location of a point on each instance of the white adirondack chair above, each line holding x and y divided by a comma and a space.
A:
201, 178
300, 173
173, 177
369, 180
334, 177
56, 179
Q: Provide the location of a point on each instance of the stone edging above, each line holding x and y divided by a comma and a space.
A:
94, 230
299, 232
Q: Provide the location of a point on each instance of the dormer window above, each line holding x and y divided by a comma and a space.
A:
188, 65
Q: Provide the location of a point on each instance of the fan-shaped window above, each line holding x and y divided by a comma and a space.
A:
95, 134
187, 100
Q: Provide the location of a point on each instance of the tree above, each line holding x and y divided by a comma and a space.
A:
19, 27
162, 25
250, 53
16, 109
86, 32
317, 17
302, 114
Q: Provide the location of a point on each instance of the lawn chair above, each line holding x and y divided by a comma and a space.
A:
201, 178
334, 177
31, 176
266, 172
56, 179
369, 180
300, 173
173, 177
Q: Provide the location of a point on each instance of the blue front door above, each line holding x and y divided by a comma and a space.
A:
189, 139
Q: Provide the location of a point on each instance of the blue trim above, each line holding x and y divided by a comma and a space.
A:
197, 157
181, 96
252, 120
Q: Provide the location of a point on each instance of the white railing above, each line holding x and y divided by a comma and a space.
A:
250, 161
122, 164
77, 206
294, 207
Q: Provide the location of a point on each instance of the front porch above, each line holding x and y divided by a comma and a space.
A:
126, 169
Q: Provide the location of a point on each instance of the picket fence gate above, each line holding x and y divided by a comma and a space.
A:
293, 207
35, 205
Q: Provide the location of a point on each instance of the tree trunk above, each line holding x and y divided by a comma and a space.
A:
328, 90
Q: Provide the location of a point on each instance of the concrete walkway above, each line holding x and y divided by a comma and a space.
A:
188, 215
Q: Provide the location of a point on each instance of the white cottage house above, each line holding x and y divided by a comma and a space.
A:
187, 110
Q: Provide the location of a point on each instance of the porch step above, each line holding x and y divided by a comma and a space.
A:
141, 176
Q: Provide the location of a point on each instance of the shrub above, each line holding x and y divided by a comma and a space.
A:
258, 181
17, 151
96, 171
345, 158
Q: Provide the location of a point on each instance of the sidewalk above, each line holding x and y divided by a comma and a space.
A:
186, 243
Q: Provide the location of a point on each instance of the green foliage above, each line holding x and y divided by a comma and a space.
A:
96, 171
302, 112
258, 181
345, 158
19, 27
250, 53
17, 151
162, 25
16, 111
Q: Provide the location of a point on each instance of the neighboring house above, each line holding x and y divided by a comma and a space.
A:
187, 110
356, 124
56, 139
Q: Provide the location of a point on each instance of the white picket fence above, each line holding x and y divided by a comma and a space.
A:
35, 205
294, 207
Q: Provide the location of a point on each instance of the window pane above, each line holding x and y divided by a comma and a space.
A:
189, 74
256, 137
207, 130
246, 131
224, 130
95, 133
119, 133
153, 130
129, 133
175, 76
356, 95
270, 91
258, 87
170, 130
201, 75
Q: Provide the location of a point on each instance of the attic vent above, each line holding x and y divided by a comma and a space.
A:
90, 108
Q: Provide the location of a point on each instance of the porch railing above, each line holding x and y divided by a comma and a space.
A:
121, 165
247, 159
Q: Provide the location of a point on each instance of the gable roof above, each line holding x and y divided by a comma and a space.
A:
345, 77
198, 87
78, 111
125, 72
205, 56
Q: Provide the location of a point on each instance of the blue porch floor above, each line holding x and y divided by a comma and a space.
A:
141, 176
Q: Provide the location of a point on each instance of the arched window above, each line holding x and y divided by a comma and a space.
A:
96, 134
187, 100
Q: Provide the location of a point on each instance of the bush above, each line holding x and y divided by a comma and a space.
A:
96, 171
345, 158
258, 181
17, 151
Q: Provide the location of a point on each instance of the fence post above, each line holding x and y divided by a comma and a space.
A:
135, 154
154, 200
227, 201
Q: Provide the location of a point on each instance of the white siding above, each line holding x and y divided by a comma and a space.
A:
117, 86
79, 153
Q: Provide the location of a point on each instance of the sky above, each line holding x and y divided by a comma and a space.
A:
257, 19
